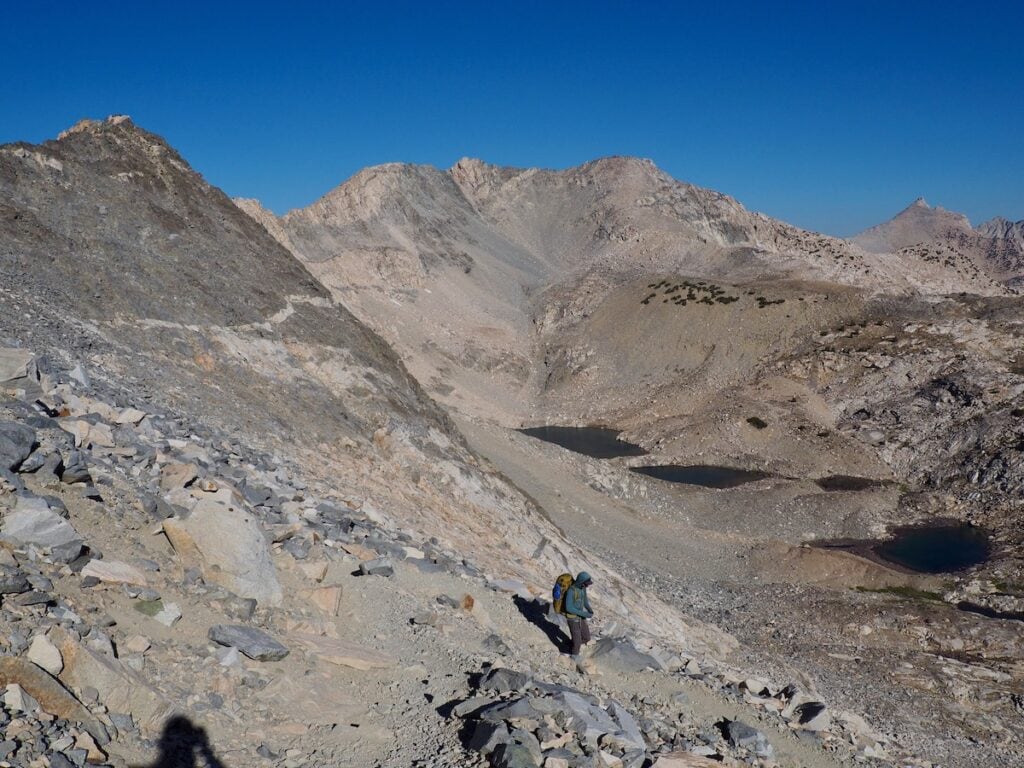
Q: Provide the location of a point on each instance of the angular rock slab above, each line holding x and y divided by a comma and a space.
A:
13, 580
343, 653
226, 544
17, 365
51, 695
16, 441
45, 654
622, 656
114, 572
120, 689
32, 523
253, 642
684, 760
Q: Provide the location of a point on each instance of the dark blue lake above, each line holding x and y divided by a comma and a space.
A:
849, 483
936, 549
708, 476
596, 442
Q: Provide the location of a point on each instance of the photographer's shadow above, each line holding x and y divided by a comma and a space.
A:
184, 745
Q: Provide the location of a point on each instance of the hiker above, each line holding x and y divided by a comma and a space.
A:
577, 610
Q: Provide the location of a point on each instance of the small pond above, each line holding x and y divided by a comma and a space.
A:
700, 474
849, 483
596, 442
936, 548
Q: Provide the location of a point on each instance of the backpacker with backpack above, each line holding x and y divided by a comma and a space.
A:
562, 584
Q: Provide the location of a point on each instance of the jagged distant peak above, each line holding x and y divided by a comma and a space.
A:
87, 124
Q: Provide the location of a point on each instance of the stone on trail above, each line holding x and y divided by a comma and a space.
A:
46, 655
360, 552
130, 416
588, 720
382, 566
813, 716
742, 735
343, 653
514, 755
17, 367
487, 737
76, 471
13, 580
114, 572
175, 474
470, 706
622, 656
629, 731
16, 442
168, 614
513, 586
684, 760
227, 545
120, 689
34, 523
254, 643
504, 680
51, 695
17, 700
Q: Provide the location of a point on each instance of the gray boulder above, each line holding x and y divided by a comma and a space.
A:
471, 705
16, 443
514, 755
587, 719
503, 680
510, 710
34, 523
629, 731
622, 656
486, 737
744, 736
252, 642
76, 471
382, 566
13, 580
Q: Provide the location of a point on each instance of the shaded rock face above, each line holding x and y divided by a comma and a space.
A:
117, 213
110, 224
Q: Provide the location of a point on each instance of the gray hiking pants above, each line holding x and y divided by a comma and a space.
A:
579, 631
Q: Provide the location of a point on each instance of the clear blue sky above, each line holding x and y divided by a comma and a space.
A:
829, 117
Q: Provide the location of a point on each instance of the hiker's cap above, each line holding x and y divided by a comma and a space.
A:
584, 578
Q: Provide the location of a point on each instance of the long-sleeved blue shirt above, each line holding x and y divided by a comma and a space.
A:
577, 604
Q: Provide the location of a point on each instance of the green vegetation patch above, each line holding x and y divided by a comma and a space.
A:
688, 292
906, 593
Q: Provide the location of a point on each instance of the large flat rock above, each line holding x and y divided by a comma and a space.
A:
16, 441
344, 653
254, 643
225, 542
120, 689
51, 695
33, 522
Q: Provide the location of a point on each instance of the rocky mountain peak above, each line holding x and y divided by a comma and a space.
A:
89, 125
918, 223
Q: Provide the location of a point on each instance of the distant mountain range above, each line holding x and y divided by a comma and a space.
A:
997, 246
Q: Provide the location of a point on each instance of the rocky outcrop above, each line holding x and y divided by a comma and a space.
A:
225, 542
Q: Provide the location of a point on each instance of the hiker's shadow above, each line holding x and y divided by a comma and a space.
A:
184, 745
536, 613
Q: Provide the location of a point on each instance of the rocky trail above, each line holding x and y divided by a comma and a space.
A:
326, 635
